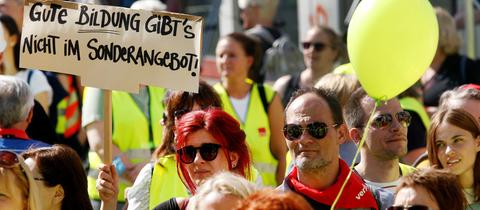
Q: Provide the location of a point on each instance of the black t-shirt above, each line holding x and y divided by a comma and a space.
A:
416, 132
456, 70
171, 205
40, 128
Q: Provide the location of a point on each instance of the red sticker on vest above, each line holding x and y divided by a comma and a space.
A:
262, 131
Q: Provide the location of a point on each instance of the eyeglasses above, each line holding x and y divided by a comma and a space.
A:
317, 46
8, 159
385, 120
411, 207
208, 152
317, 130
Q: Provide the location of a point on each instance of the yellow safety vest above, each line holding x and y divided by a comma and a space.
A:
131, 132
165, 182
406, 169
410, 103
257, 129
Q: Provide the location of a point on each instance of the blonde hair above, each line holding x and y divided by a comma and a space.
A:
23, 178
342, 85
225, 183
448, 40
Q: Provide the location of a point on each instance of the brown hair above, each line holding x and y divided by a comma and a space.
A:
342, 85
270, 199
448, 39
463, 120
180, 100
441, 185
60, 165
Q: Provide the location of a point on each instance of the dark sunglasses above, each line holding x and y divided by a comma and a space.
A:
412, 207
8, 159
385, 120
317, 46
180, 112
208, 151
317, 130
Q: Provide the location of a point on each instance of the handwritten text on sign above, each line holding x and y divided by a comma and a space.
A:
111, 47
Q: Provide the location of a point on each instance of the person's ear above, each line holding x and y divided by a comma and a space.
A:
30, 116
355, 135
477, 144
13, 40
250, 60
342, 133
59, 194
234, 159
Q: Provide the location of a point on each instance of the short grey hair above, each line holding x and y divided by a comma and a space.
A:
268, 7
16, 101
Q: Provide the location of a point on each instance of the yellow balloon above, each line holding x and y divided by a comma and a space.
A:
391, 43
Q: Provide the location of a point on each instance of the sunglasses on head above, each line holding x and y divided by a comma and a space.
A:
317, 46
317, 130
208, 152
8, 159
412, 207
385, 120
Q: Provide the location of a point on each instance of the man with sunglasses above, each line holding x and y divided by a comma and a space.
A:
16, 111
385, 142
314, 130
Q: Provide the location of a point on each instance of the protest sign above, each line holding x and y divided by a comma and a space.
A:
112, 47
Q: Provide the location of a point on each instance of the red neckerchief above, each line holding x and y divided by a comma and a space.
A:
13, 133
355, 194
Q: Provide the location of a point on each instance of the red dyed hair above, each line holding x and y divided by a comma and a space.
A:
225, 129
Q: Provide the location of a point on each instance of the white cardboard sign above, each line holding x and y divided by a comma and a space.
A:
112, 47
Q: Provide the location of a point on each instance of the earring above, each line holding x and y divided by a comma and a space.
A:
234, 165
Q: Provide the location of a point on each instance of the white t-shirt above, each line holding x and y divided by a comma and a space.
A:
38, 82
138, 195
241, 106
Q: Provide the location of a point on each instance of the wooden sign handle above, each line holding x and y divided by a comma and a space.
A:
107, 133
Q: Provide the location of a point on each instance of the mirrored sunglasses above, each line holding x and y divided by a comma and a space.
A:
208, 152
385, 120
317, 130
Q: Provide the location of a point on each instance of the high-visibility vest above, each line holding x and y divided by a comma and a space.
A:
410, 103
131, 134
257, 129
165, 182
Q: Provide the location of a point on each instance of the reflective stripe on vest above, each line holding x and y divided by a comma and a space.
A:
410, 103
130, 133
165, 182
257, 129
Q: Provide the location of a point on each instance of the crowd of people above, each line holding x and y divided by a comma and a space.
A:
243, 143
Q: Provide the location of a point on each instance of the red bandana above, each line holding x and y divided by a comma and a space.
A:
355, 194
13, 133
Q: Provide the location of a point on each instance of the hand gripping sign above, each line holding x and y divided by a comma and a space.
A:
112, 47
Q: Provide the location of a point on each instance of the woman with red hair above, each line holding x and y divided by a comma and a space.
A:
207, 142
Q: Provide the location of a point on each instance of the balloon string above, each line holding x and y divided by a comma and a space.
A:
360, 145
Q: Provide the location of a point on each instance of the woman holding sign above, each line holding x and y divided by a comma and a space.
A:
255, 106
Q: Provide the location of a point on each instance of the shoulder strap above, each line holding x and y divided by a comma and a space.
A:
263, 97
29, 77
